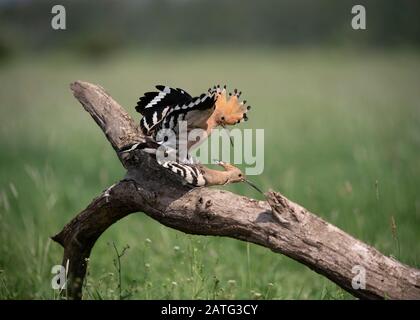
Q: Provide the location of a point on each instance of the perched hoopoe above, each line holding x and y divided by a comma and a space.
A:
198, 175
201, 176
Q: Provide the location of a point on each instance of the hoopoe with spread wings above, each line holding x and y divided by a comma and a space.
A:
164, 110
167, 107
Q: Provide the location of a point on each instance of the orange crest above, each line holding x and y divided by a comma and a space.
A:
230, 110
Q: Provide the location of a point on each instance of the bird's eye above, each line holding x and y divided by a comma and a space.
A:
240, 175
222, 118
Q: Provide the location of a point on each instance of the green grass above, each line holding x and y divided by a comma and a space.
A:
342, 138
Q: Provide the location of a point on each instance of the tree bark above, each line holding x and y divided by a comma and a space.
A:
277, 224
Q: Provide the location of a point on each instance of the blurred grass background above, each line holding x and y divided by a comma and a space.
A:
342, 138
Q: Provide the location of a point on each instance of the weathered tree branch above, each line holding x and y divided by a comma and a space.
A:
285, 227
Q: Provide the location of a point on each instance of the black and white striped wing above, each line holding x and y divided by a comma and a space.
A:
191, 174
154, 106
183, 112
193, 114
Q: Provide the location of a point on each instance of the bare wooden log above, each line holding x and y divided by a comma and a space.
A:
279, 224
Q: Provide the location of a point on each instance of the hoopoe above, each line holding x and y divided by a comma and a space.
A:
201, 176
167, 107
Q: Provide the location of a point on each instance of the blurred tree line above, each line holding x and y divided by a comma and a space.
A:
99, 26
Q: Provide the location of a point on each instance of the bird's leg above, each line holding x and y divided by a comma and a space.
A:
193, 160
188, 159
228, 133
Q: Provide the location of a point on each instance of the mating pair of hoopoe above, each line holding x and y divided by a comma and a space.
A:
165, 109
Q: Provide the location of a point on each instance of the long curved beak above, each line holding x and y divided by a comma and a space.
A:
252, 184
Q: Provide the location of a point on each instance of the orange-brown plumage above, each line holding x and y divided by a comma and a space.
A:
228, 110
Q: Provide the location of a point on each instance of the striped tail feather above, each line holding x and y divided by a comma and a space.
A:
149, 146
